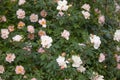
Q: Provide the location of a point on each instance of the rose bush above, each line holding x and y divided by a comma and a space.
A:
59, 40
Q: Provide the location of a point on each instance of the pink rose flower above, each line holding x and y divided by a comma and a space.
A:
86, 7
65, 34
33, 17
20, 70
101, 57
101, 19
20, 14
10, 57
30, 29
41, 50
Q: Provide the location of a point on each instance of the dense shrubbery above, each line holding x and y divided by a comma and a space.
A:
60, 40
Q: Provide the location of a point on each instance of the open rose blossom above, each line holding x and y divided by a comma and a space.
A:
10, 57
2, 70
101, 19
11, 28
33, 17
46, 41
43, 13
30, 29
42, 22
4, 33
101, 57
86, 14
86, 7
117, 35
17, 38
95, 40
20, 70
20, 25
20, 14
21, 2
65, 34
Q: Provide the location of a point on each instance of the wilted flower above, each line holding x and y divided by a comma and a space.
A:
117, 35
65, 34
86, 7
4, 33
76, 61
20, 70
10, 57
43, 13
33, 17
11, 28
101, 57
97, 11
41, 33
21, 2
20, 14
62, 5
101, 19
61, 62
46, 41
86, 14
17, 38
95, 40
21, 25
30, 29
60, 13
41, 50
2, 70
31, 36
81, 69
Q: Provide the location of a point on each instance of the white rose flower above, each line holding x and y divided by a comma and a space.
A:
117, 35
95, 40
17, 38
62, 5
46, 41
2, 69
65, 34
21, 2
4, 33
76, 61
86, 7
61, 61
86, 14
20, 14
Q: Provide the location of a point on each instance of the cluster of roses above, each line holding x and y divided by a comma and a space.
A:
46, 41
